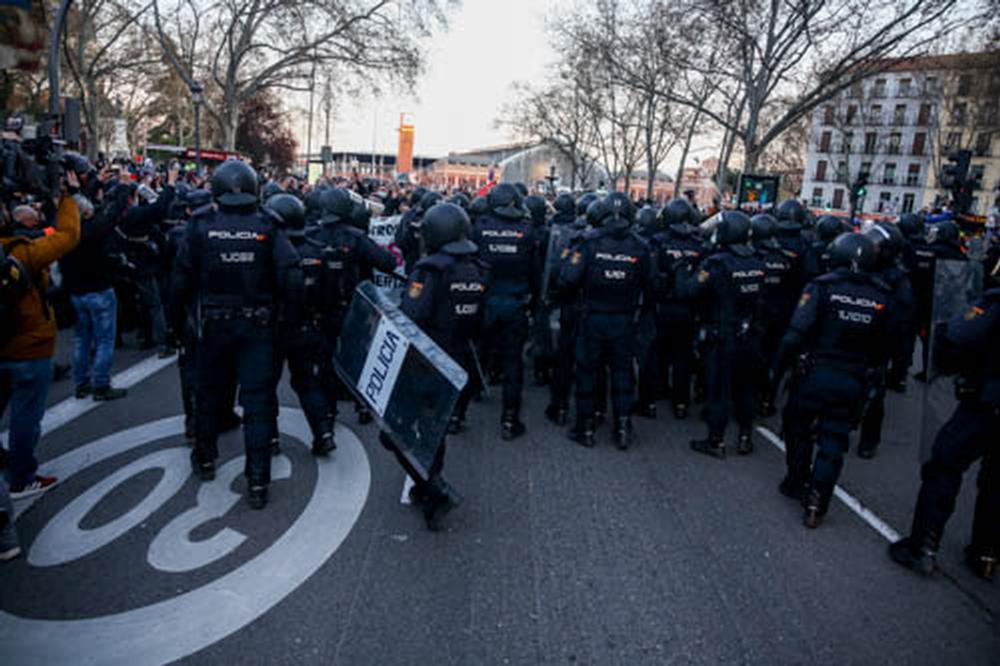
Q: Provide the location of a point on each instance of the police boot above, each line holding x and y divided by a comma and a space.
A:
623, 434
680, 412
441, 499
257, 497
744, 443
324, 444
981, 561
205, 470
646, 411
815, 503
455, 424
511, 427
583, 433
364, 416
556, 414
598, 419
713, 445
917, 554
275, 446
793, 489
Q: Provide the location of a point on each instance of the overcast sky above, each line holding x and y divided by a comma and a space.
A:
488, 46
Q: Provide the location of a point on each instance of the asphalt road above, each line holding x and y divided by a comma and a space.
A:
558, 554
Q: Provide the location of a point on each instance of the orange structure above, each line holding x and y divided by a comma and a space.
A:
404, 157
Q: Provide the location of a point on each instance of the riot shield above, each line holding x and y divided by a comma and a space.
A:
559, 238
957, 285
408, 383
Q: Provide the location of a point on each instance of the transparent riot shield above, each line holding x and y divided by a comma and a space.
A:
957, 285
409, 383
559, 238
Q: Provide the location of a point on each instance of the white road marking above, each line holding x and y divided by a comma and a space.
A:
174, 628
407, 484
852, 503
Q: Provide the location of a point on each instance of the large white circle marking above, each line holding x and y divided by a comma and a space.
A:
175, 628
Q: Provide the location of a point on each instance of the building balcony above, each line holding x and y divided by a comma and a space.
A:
898, 121
912, 181
982, 152
893, 150
888, 180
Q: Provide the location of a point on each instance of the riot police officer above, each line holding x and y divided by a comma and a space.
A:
408, 231
446, 297
791, 217
969, 435
942, 242
565, 208
508, 244
678, 245
840, 326
238, 267
648, 225
889, 243
301, 339
542, 350
728, 285
816, 260
613, 270
777, 299
570, 236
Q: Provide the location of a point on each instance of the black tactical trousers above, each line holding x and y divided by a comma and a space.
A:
969, 435
505, 333
677, 357
731, 379
562, 377
605, 340
825, 402
237, 350
310, 365
647, 354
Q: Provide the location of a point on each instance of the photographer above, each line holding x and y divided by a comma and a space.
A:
29, 339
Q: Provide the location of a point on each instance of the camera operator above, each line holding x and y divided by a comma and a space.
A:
87, 276
29, 338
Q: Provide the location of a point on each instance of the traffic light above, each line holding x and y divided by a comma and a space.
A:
860, 189
955, 177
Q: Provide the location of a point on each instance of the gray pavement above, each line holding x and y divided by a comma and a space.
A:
558, 555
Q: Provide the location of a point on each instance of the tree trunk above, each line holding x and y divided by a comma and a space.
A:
727, 151
93, 119
684, 153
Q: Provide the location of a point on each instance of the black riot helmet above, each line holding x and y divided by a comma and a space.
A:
943, 232
648, 221
565, 204
445, 228
460, 200
621, 212
522, 189
505, 202
361, 216
889, 242
853, 251
428, 201
290, 210
764, 228
537, 207
791, 215
597, 213
912, 225
479, 206
234, 183
829, 227
416, 196
730, 227
679, 212
584, 202
270, 190
336, 205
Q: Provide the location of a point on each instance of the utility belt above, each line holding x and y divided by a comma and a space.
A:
261, 315
710, 333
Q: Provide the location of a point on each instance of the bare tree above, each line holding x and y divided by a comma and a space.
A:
239, 48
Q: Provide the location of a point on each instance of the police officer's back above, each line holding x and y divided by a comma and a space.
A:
238, 268
841, 325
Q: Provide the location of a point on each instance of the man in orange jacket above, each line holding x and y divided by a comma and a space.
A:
26, 356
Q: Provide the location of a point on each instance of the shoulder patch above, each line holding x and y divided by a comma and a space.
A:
575, 259
974, 312
703, 276
416, 288
806, 296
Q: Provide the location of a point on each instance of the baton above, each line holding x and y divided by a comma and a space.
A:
479, 370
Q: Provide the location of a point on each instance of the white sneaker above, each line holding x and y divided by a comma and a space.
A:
37, 485
10, 554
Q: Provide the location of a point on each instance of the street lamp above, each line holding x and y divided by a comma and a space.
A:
552, 178
196, 100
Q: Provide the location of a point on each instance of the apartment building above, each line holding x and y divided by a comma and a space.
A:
897, 128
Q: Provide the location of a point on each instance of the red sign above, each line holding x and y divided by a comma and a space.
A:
211, 155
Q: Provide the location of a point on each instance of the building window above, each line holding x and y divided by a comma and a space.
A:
919, 139
852, 114
821, 171
904, 87
983, 144
848, 142
913, 175
899, 115
875, 115
889, 176
817, 197
895, 142
924, 117
958, 114
824, 142
908, 201
965, 85
931, 86
841, 172
838, 199
871, 141
976, 176
856, 90
828, 115
879, 90
866, 170
885, 202
953, 140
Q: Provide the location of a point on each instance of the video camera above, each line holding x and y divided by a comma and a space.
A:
32, 165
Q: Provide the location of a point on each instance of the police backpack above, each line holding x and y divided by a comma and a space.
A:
14, 284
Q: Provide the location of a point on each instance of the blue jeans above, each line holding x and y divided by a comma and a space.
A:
26, 385
94, 341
